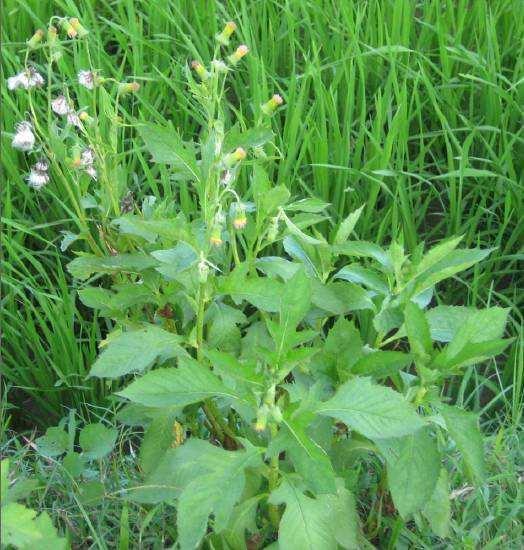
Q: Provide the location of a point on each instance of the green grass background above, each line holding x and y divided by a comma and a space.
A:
413, 108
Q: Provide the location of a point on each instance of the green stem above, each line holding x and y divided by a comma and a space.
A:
274, 513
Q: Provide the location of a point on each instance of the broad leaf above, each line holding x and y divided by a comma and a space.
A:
413, 467
364, 249
438, 508
463, 428
135, 351
375, 411
340, 298
87, 264
97, 440
346, 227
417, 329
54, 443
190, 383
381, 364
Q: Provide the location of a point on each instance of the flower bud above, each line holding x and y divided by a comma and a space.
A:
216, 236
203, 271
84, 117
68, 28
270, 106
262, 416
33, 42
79, 28
128, 87
55, 48
239, 219
236, 156
224, 36
276, 413
200, 70
240, 52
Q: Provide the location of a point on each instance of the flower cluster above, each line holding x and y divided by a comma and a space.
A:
25, 136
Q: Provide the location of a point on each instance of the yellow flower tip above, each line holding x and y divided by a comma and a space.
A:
79, 28
215, 240
240, 153
52, 33
277, 99
239, 53
68, 28
200, 70
128, 87
270, 106
240, 222
83, 116
35, 39
228, 30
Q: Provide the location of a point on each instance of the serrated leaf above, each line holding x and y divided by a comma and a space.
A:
360, 275
199, 497
135, 351
438, 508
413, 467
84, 266
97, 441
375, 411
446, 321
340, 298
157, 439
418, 332
454, 262
151, 230
189, 383
254, 137
381, 364
166, 146
437, 254
364, 249
18, 527
346, 227
277, 266
307, 523
54, 443
463, 428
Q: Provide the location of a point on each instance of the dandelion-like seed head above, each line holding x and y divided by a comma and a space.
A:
24, 139
60, 105
26, 79
91, 171
38, 176
87, 79
87, 156
73, 119
219, 66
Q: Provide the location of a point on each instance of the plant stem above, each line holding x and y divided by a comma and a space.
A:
274, 513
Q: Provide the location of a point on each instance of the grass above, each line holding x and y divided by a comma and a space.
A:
413, 108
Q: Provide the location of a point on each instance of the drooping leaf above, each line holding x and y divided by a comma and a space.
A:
463, 428
87, 264
135, 351
364, 249
375, 411
157, 439
381, 364
97, 440
369, 278
438, 508
190, 383
413, 467
340, 298
346, 227
307, 523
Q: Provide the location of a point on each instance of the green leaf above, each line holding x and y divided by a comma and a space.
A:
308, 457
381, 364
357, 274
175, 260
73, 463
340, 298
463, 428
452, 263
18, 526
311, 204
91, 492
222, 326
227, 365
189, 383
166, 146
254, 137
470, 354
445, 322
418, 332
87, 264
308, 523
262, 292
54, 443
438, 507
49, 538
97, 441
437, 254
157, 439
346, 227
200, 498
273, 199
375, 411
413, 468
364, 249
277, 266
135, 351
4, 482
295, 230
95, 297
171, 229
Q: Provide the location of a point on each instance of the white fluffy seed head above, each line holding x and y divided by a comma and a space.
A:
42, 165
37, 179
73, 119
60, 105
24, 139
86, 79
91, 171
87, 157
